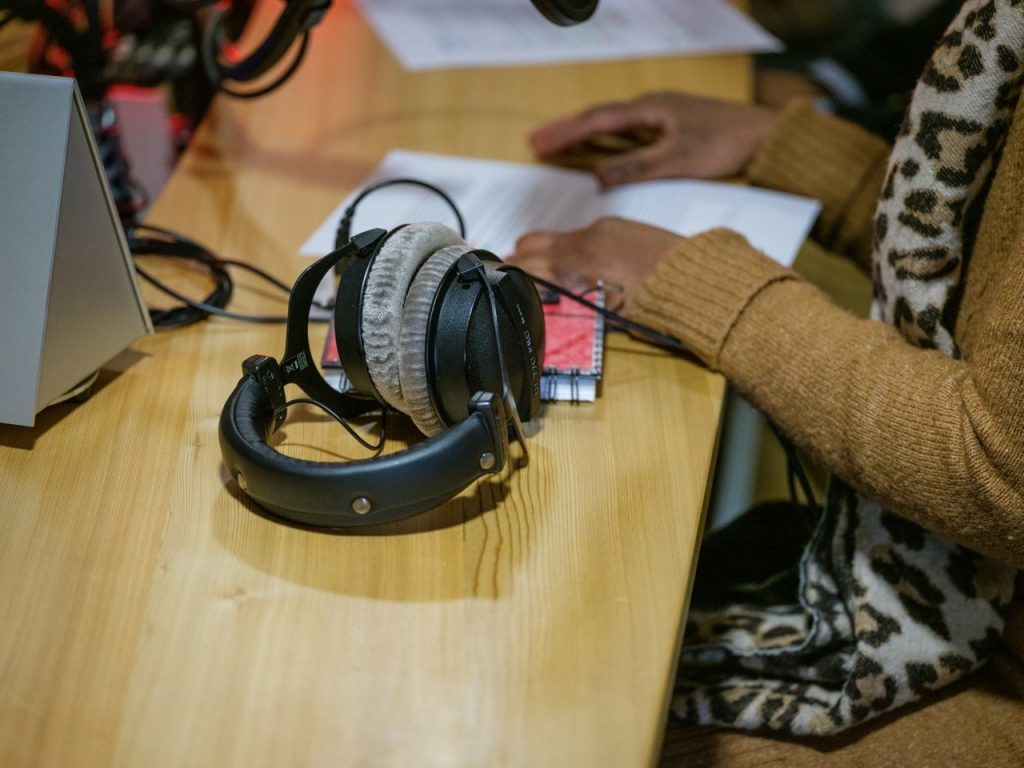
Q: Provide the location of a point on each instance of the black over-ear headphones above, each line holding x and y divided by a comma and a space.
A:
448, 335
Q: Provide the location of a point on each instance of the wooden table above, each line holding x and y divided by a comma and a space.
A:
150, 618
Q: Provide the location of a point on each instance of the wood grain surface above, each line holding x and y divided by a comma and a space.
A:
152, 617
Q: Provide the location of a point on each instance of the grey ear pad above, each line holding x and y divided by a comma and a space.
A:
387, 282
412, 360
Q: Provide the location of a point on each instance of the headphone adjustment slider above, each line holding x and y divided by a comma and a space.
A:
470, 268
267, 373
490, 407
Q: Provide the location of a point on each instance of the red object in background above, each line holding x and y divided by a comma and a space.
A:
572, 341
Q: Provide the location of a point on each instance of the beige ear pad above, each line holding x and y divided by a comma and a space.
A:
412, 360
387, 282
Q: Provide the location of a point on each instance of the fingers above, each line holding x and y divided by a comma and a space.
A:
658, 135
615, 250
533, 254
551, 256
664, 159
536, 241
650, 141
608, 118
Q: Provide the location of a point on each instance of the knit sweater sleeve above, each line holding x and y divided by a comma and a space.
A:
816, 155
935, 439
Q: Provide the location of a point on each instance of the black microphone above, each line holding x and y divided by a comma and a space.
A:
566, 12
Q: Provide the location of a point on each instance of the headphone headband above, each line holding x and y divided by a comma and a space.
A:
371, 491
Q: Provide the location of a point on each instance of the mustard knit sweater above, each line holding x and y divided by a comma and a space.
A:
936, 439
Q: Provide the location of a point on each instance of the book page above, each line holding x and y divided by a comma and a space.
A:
501, 201
478, 33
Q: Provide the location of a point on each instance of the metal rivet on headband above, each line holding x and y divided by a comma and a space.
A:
487, 461
361, 506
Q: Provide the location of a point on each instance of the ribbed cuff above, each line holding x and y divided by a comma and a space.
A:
700, 288
832, 160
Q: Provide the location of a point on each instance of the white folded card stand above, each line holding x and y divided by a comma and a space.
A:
69, 299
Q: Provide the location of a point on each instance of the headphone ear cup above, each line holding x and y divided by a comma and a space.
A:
387, 282
414, 342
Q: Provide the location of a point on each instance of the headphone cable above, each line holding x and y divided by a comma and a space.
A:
344, 232
151, 240
375, 447
653, 336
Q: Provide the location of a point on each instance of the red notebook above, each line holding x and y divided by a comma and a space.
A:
573, 349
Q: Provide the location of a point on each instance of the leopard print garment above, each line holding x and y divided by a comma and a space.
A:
885, 611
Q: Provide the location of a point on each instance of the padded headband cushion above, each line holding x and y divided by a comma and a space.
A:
412, 361
387, 282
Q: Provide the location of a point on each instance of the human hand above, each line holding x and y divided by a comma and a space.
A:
695, 137
614, 250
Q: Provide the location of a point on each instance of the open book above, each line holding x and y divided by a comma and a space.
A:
501, 201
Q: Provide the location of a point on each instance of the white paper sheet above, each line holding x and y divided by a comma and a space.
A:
501, 201
437, 34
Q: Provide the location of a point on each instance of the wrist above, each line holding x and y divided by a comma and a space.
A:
701, 287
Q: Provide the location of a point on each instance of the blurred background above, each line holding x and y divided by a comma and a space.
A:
149, 68
139, 66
